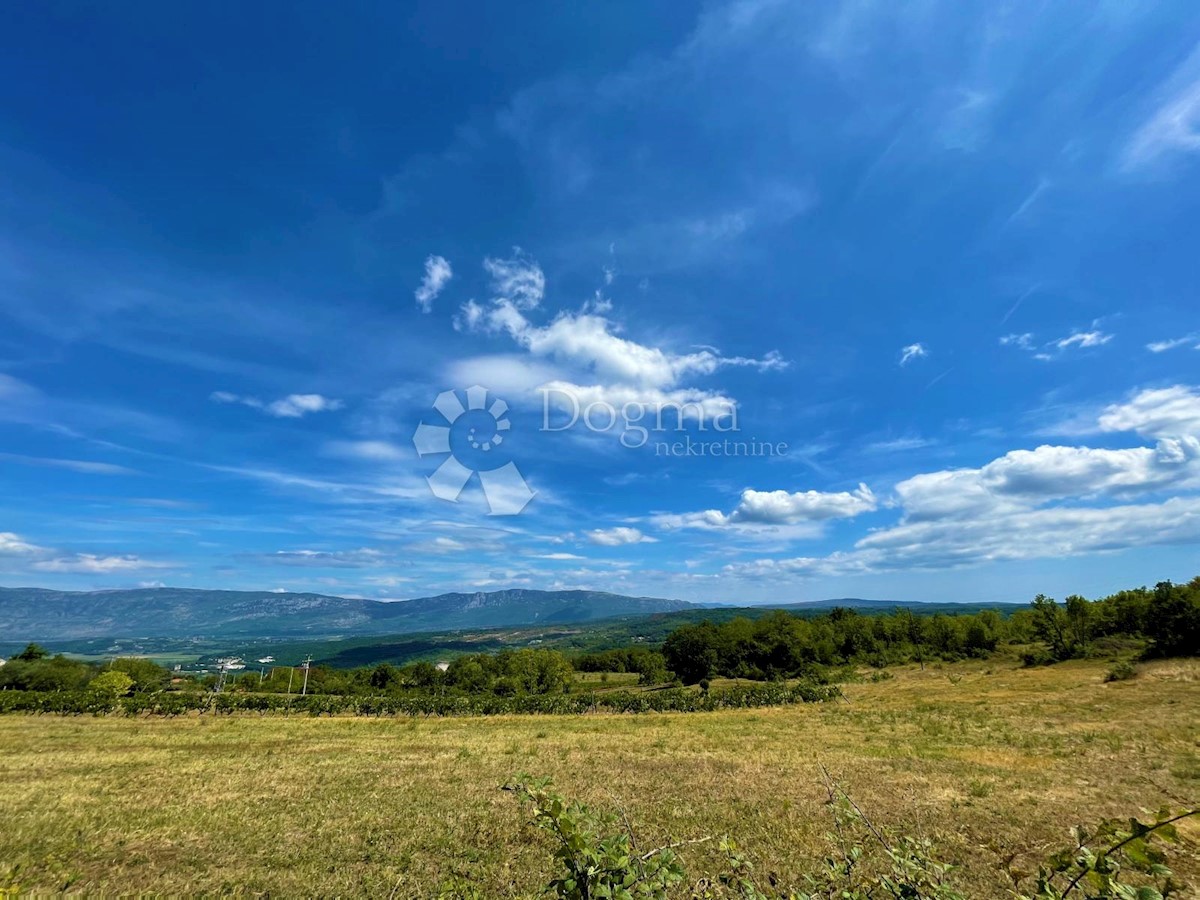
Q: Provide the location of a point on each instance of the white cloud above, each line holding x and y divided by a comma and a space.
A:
293, 406
616, 537
897, 445
518, 280
508, 374
438, 546
757, 509
1024, 341
1172, 343
86, 467
437, 275
587, 349
1013, 507
1050, 350
91, 564
588, 342
911, 352
1083, 339
1174, 126
12, 545
336, 559
1172, 412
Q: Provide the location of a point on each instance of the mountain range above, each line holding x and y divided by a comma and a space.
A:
38, 614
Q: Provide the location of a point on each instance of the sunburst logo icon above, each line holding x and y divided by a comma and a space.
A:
474, 437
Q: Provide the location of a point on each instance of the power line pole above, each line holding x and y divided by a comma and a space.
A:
305, 667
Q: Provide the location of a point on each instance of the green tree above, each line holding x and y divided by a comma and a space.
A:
691, 651
32, 652
383, 677
111, 685
1051, 626
1079, 617
1173, 619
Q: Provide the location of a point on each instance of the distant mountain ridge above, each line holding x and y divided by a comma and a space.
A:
39, 614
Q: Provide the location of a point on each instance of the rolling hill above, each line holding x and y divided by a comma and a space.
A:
46, 615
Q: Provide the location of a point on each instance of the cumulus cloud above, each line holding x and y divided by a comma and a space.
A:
911, 352
293, 406
1024, 478
1016, 535
757, 509
588, 347
616, 537
1172, 412
437, 275
1050, 501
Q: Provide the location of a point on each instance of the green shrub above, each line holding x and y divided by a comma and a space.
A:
596, 858
1121, 671
595, 855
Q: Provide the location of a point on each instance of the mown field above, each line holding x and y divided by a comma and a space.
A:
993, 762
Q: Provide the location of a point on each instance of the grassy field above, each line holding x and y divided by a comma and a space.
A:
991, 761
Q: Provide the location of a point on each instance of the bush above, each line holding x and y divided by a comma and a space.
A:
595, 855
1038, 657
1121, 671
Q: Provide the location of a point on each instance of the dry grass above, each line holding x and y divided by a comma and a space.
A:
994, 765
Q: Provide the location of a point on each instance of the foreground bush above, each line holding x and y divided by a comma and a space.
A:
596, 855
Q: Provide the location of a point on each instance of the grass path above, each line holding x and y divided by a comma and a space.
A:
991, 761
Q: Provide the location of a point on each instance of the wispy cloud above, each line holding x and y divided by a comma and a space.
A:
437, 275
1049, 350
293, 406
1172, 343
1083, 339
1024, 341
13, 545
517, 280
1174, 126
911, 352
91, 564
83, 466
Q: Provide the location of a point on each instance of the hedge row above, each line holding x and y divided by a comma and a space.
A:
173, 704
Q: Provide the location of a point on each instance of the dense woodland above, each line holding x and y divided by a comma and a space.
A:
1159, 621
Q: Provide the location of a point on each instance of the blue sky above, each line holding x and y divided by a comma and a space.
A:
944, 252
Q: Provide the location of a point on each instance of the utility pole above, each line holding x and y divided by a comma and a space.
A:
305, 667
291, 672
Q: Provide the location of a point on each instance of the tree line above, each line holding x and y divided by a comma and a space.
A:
1163, 620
